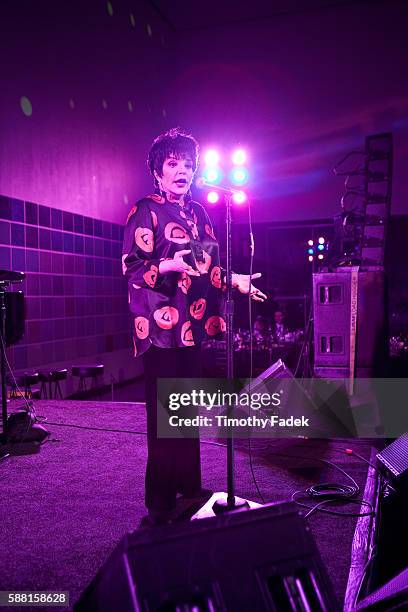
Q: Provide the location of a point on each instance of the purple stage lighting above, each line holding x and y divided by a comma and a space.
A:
212, 197
239, 157
211, 157
239, 197
212, 174
239, 176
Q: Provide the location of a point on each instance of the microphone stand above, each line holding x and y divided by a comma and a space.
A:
232, 503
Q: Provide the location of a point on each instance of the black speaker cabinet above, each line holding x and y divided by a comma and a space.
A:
391, 596
329, 414
259, 559
332, 297
393, 460
295, 400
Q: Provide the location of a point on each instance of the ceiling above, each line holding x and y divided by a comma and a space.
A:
182, 15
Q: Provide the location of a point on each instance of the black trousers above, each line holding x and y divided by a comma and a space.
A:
173, 465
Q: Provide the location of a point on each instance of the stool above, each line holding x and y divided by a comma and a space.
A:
53, 376
24, 381
87, 371
29, 379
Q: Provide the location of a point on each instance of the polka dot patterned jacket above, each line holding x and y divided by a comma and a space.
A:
175, 309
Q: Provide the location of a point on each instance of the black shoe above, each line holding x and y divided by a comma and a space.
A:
154, 520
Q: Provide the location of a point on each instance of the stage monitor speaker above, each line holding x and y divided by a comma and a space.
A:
394, 460
327, 418
259, 559
277, 370
332, 311
295, 401
391, 596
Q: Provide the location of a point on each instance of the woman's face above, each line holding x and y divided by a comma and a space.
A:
177, 175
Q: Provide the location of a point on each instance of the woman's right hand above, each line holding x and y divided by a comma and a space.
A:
177, 264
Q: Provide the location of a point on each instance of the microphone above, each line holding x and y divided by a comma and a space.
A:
201, 183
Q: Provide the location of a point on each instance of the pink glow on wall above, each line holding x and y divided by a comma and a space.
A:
290, 89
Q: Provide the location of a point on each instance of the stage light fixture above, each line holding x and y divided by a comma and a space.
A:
321, 240
310, 251
212, 174
320, 256
320, 247
239, 176
212, 197
239, 197
239, 157
310, 242
310, 258
211, 157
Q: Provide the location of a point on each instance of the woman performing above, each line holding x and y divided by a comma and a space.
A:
171, 261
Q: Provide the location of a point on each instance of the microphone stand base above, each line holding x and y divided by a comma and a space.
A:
221, 506
218, 504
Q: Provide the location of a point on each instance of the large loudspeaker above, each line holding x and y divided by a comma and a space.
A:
393, 460
259, 559
295, 401
330, 416
333, 325
391, 596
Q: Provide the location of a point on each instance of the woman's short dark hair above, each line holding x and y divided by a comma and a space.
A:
174, 142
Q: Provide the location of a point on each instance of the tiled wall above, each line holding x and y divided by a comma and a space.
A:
76, 297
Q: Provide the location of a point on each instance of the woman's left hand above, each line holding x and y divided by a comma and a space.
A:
242, 282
